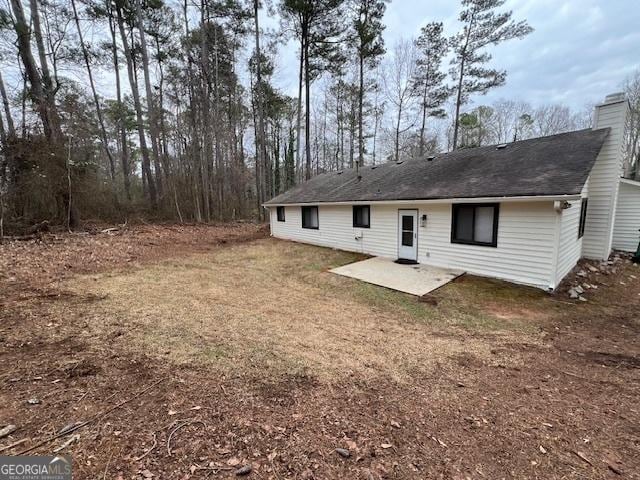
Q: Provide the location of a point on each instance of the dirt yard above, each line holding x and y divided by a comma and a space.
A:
192, 352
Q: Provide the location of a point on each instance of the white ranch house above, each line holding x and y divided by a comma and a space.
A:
525, 212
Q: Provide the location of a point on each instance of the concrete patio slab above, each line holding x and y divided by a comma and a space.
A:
414, 279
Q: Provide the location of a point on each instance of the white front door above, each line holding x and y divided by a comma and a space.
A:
408, 234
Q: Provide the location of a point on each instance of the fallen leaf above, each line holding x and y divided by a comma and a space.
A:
386, 445
245, 470
343, 452
8, 430
542, 449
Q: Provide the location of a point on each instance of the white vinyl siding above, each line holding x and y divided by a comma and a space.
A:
524, 254
569, 246
603, 182
627, 223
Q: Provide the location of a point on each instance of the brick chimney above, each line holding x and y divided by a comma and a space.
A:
604, 180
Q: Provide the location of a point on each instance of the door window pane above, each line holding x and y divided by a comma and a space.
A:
407, 239
407, 222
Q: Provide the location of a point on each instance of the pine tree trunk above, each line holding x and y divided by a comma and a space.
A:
360, 119
218, 127
96, 100
424, 116
337, 127
151, 106
261, 157
11, 131
258, 167
456, 123
195, 150
146, 163
463, 56
47, 84
307, 100
47, 112
375, 135
207, 150
3, 141
299, 112
341, 128
124, 149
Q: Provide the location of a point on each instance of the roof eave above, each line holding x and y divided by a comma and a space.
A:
523, 198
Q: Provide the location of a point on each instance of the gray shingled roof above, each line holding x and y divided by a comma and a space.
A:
554, 165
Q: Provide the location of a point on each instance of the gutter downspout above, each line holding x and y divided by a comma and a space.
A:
556, 246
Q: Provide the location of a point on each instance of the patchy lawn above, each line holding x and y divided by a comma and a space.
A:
263, 358
269, 308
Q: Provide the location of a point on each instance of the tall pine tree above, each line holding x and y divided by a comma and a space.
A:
368, 27
316, 24
429, 79
483, 26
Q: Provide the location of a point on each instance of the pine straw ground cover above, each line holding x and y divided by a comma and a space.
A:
194, 351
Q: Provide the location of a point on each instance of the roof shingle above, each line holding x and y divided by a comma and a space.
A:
553, 165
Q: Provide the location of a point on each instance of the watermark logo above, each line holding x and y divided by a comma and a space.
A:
35, 467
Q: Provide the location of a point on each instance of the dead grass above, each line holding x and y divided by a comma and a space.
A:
271, 306
283, 387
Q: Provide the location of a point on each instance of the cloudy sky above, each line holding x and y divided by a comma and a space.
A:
580, 50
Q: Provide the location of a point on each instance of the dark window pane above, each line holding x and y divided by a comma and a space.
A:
407, 222
364, 212
310, 217
583, 217
281, 214
484, 225
464, 223
407, 239
361, 216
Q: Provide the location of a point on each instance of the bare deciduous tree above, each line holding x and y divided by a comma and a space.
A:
399, 73
632, 135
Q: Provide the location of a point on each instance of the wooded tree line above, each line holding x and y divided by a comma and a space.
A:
192, 126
